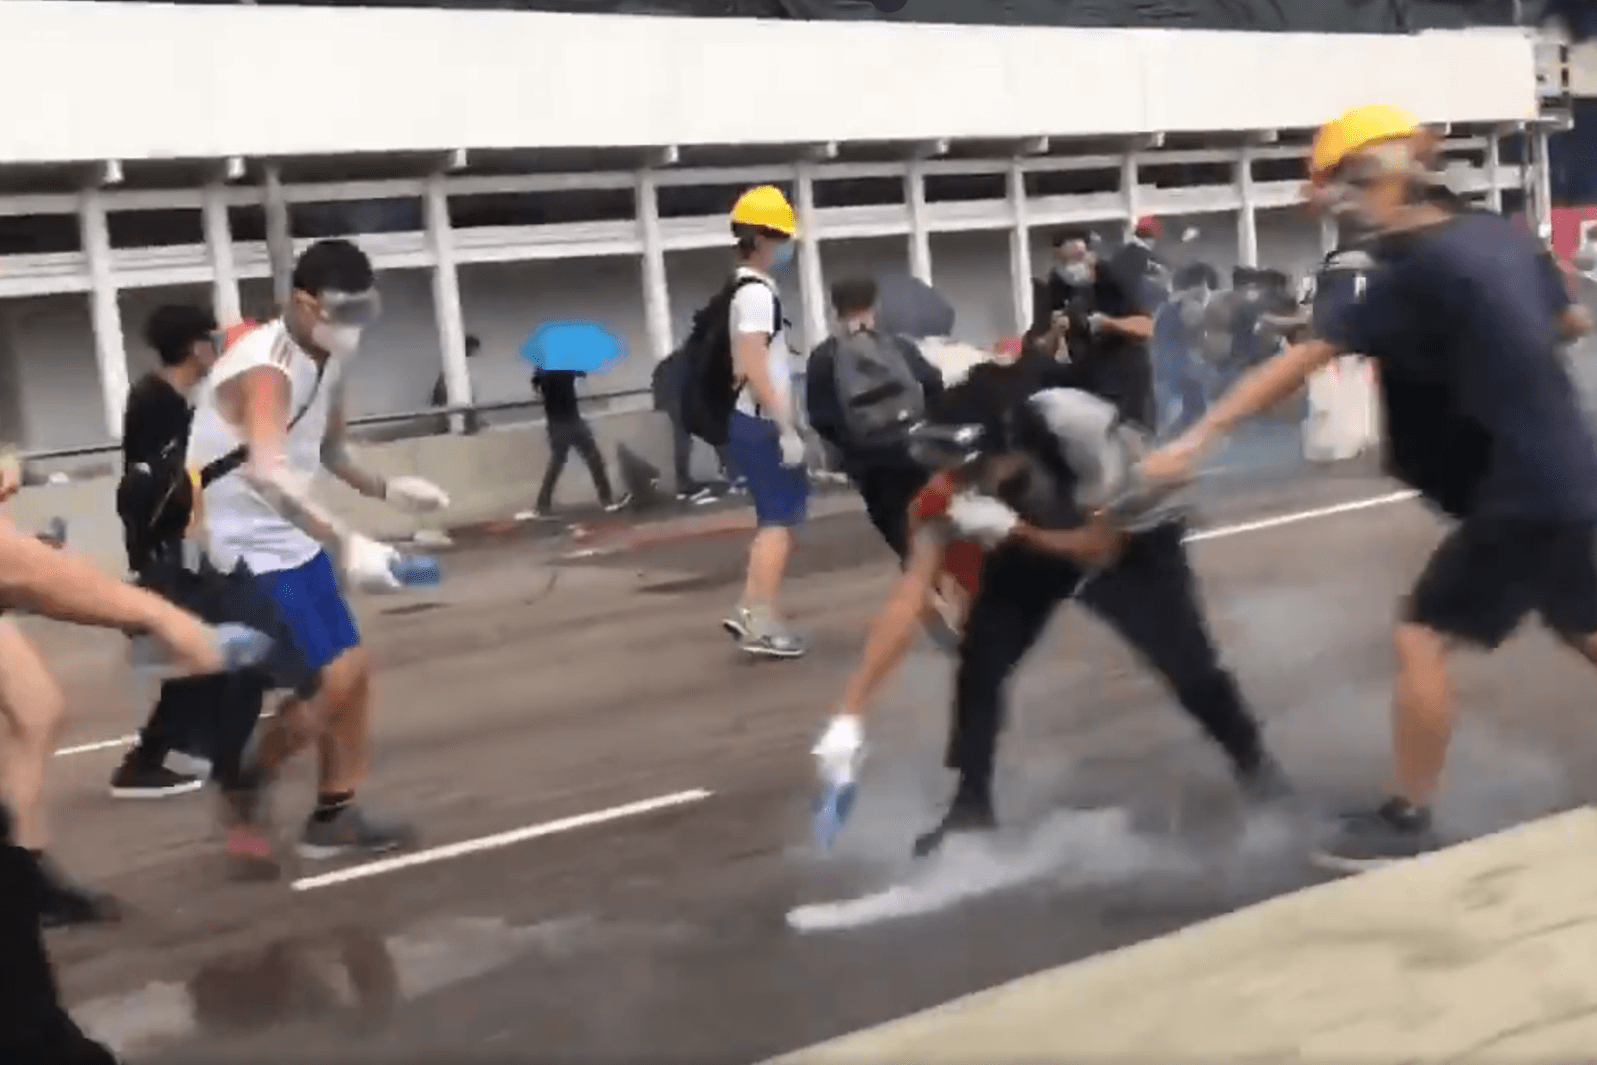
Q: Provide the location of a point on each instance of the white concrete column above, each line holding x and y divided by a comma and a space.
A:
446, 298
1247, 218
1328, 234
1019, 248
1130, 190
279, 234
812, 283
920, 237
1494, 170
656, 289
110, 351
219, 249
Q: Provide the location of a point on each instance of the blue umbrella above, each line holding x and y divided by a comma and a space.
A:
581, 347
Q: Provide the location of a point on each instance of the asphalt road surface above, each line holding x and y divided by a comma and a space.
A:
615, 803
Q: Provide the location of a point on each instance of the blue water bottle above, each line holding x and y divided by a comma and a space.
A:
414, 570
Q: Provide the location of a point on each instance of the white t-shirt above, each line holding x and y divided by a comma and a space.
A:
754, 311
238, 522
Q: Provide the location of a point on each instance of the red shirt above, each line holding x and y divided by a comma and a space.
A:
962, 558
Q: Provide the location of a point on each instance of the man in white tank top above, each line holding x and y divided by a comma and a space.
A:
279, 392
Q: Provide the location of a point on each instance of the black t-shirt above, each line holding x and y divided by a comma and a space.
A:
1111, 365
559, 391
155, 424
1463, 319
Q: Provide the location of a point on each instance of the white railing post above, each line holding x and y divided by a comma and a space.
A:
920, 242
1247, 215
812, 282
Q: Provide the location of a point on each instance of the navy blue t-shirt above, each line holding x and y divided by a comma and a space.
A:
1467, 309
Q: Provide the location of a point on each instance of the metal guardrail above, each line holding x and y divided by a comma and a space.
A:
367, 420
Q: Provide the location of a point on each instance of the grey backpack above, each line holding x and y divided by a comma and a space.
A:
878, 393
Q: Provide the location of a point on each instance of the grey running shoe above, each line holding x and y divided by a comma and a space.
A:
759, 633
351, 831
1396, 830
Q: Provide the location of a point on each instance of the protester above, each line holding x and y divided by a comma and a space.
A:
1482, 419
764, 440
863, 392
56, 584
279, 394
1043, 495
1110, 321
568, 430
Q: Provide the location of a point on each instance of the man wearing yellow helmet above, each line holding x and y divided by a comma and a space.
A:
762, 436
1464, 314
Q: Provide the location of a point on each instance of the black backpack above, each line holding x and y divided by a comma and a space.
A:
877, 392
708, 384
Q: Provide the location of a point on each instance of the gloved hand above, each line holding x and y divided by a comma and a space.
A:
369, 564
982, 518
841, 750
792, 445
416, 494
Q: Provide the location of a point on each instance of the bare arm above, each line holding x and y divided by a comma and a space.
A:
61, 585
1574, 322
10, 471
750, 362
1262, 387
339, 459
263, 399
1096, 543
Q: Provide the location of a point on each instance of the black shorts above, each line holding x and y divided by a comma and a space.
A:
888, 490
1491, 572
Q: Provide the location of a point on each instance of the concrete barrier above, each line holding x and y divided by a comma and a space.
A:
490, 475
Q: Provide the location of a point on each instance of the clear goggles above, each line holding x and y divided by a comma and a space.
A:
350, 308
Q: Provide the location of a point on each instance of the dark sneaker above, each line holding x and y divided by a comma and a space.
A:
134, 779
246, 827
1395, 831
964, 816
622, 503
67, 903
352, 832
1265, 783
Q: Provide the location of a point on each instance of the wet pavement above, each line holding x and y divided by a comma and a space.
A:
528, 692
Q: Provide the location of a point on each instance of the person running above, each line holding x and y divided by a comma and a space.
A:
1048, 501
1465, 315
279, 393
568, 430
55, 583
764, 442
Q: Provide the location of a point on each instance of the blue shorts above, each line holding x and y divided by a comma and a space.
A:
314, 611
781, 493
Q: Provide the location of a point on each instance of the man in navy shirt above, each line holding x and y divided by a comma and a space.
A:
1464, 313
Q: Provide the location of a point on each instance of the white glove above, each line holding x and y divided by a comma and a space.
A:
982, 518
416, 494
793, 449
370, 565
1095, 321
841, 750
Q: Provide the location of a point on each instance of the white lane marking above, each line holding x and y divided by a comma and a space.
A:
102, 745
1302, 515
500, 839
1218, 533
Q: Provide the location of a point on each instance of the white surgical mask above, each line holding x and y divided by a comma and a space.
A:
340, 340
1076, 273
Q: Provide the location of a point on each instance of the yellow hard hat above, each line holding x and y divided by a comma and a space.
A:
765, 206
1354, 130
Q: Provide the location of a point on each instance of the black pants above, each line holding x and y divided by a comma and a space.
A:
888, 488
34, 1026
682, 457
565, 434
1150, 597
211, 717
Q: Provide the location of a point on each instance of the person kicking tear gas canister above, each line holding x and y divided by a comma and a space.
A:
1464, 314
1041, 478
